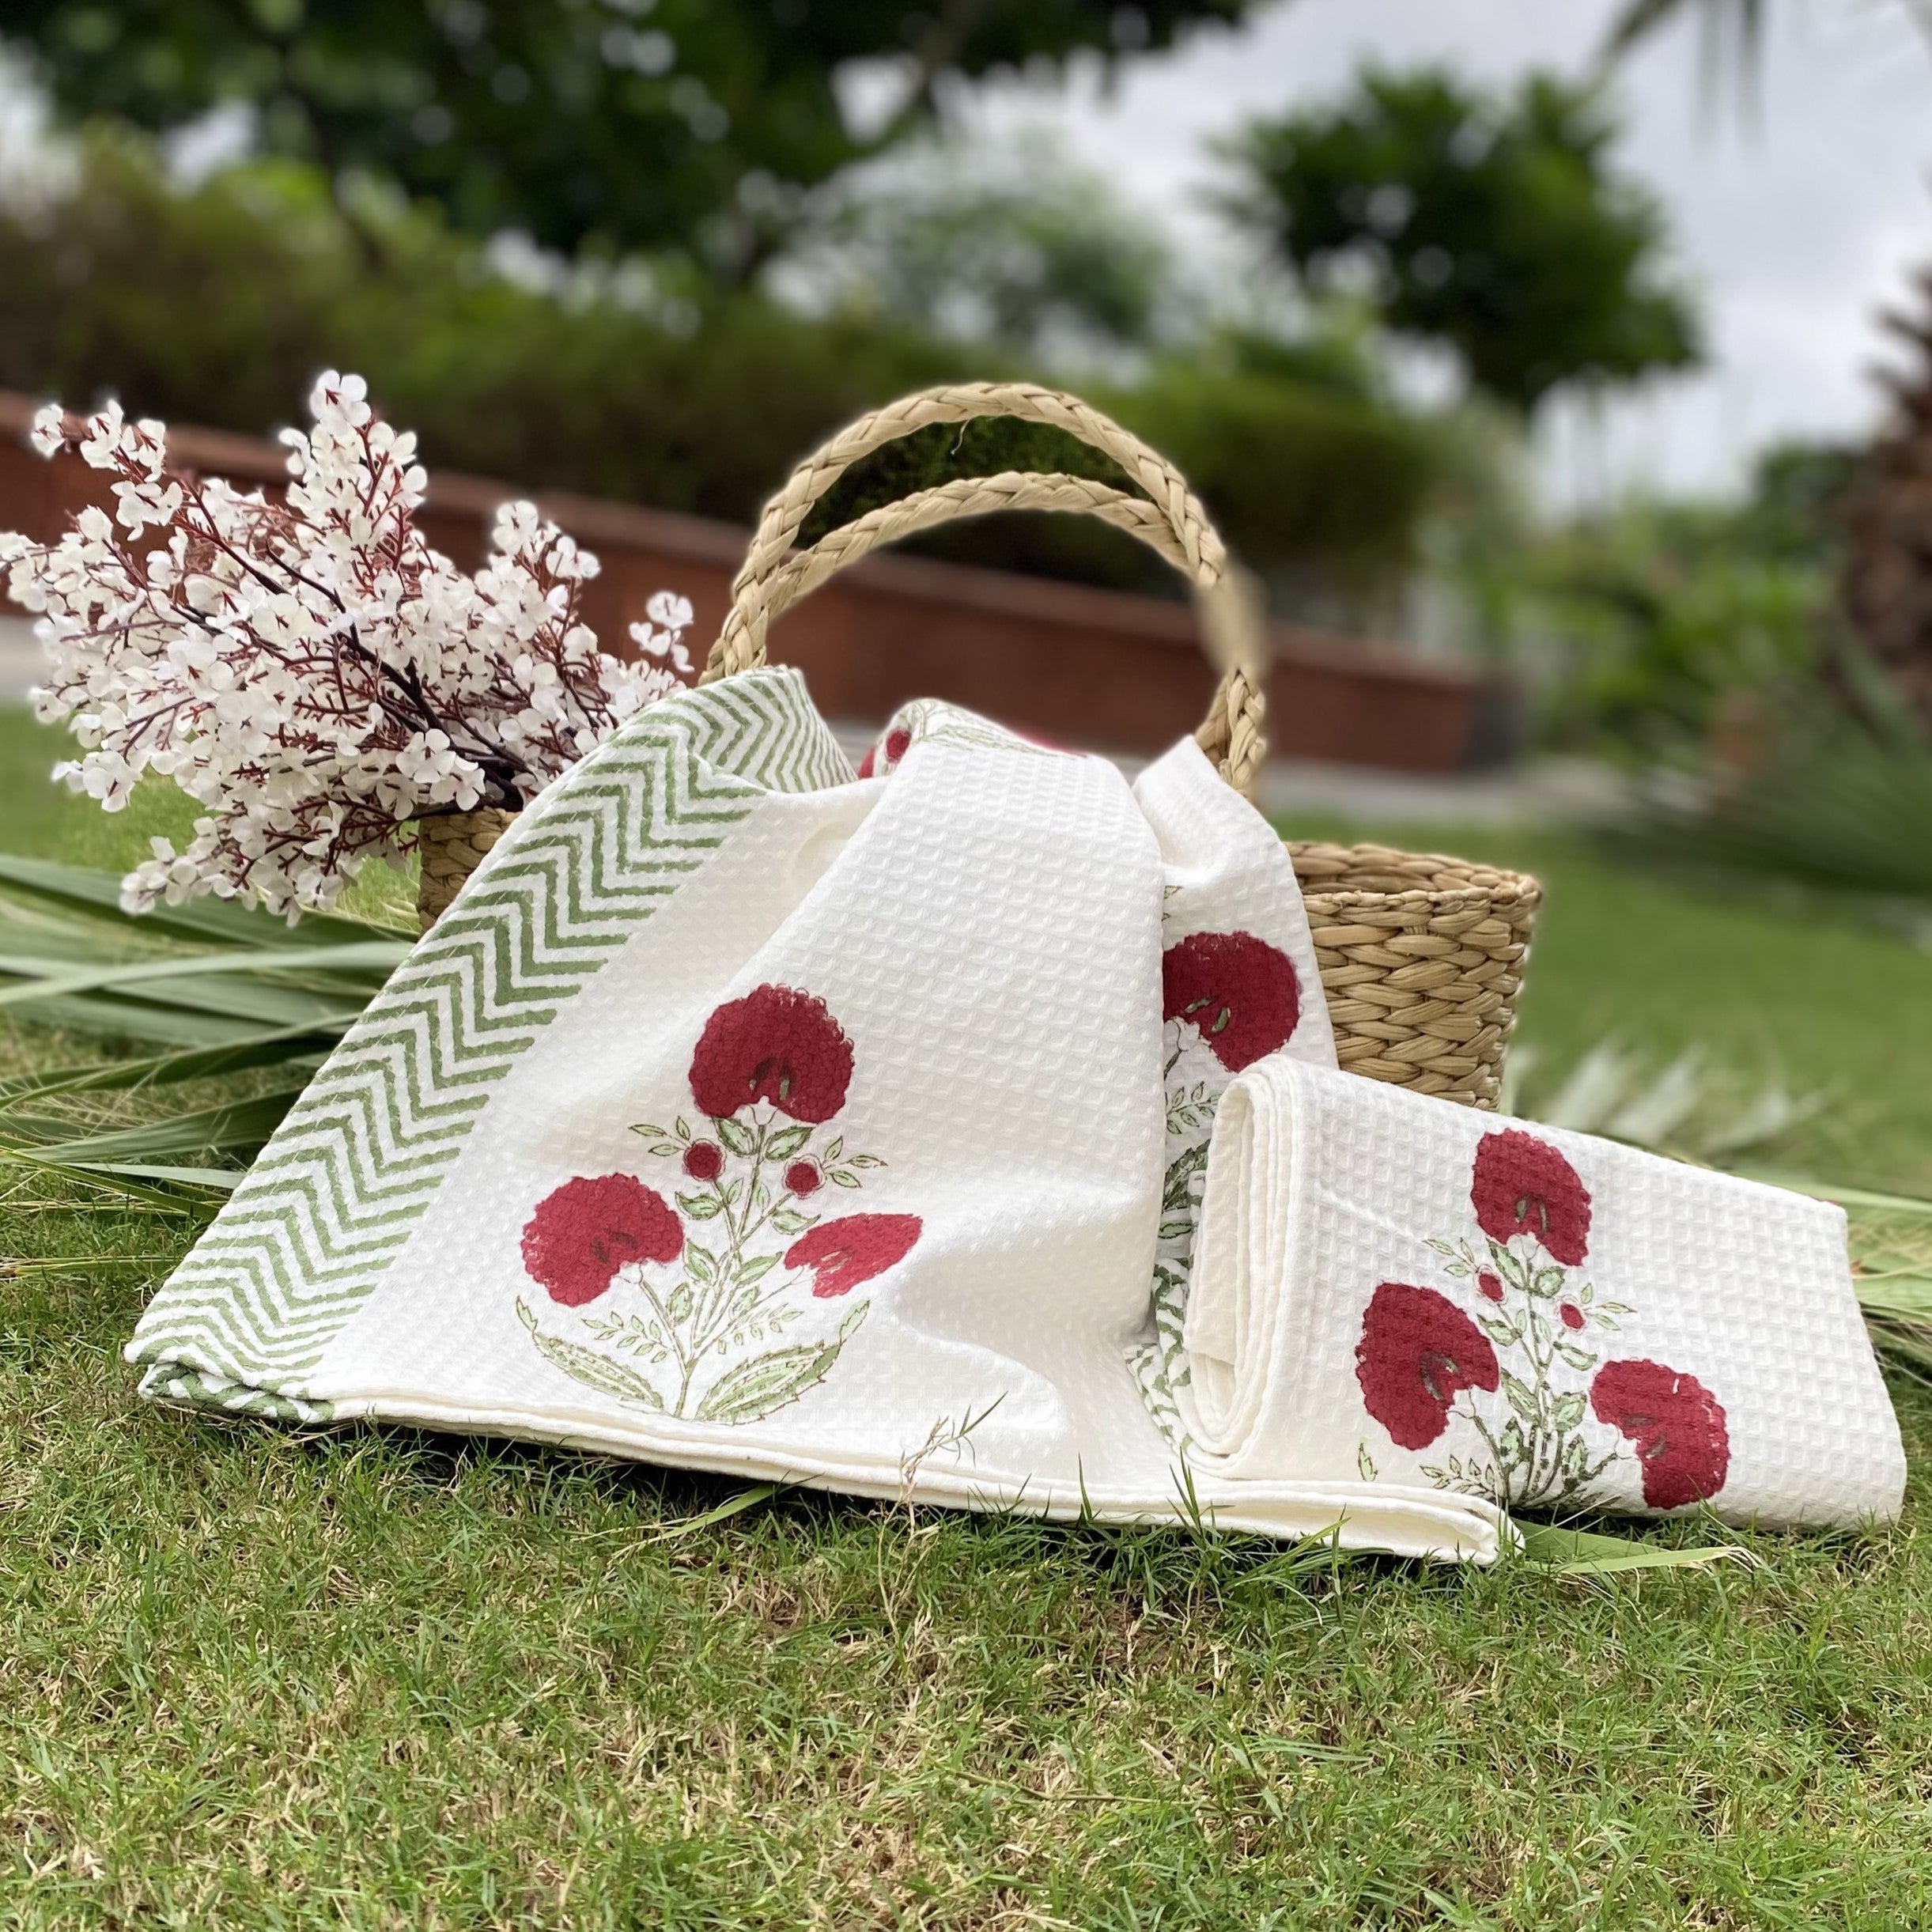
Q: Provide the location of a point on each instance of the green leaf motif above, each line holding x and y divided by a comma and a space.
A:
700, 1207
756, 1269
786, 1142
1522, 1398
790, 1221
839, 1178
753, 1388
586, 1366
701, 1261
1569, 1410
738, 1137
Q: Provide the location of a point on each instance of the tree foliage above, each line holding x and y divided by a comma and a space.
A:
631, 123
1495, 226
677, 395
1014, 244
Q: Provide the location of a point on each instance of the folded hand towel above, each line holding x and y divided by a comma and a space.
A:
743, 1116
1391, 1287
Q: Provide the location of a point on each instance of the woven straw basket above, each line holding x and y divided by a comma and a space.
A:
1421, 956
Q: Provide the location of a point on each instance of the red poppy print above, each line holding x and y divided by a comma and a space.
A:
1522, 1186
1417, 1353
1676, 1423
1239, 992
775, 1044
841, 1254
581, 1234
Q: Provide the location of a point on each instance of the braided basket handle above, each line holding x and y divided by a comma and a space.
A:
1169, 519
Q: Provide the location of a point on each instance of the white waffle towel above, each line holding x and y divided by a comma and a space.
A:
1393, 1287
745, 1115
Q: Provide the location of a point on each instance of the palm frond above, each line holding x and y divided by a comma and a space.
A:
202, 977
223, 991
79, 890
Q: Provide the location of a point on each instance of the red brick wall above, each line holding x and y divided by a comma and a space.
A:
1088, 666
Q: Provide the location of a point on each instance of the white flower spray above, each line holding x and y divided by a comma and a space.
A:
310, 672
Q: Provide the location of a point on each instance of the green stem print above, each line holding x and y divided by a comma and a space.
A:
712, 1310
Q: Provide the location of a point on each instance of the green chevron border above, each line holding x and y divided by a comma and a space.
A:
306, 1238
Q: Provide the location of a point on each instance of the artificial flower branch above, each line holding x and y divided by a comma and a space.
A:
309, 670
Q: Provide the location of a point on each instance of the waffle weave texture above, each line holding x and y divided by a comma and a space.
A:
1392, 1287
747, 1115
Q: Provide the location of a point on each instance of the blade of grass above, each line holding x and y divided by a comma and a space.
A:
1589, 1552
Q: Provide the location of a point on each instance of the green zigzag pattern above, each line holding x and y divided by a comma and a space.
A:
305, 1239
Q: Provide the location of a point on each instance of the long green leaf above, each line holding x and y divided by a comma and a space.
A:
238, 1127
166, 1025
98, 894
128, 1177
1585, 1553
303, 1046
388, 954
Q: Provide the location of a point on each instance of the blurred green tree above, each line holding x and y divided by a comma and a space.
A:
1493, 226
1014, 245
631, 124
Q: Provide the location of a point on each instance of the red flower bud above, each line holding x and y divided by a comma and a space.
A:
1238, 993
587, 1230
843, 1254
1491, 1286
1417, 1353
776, 1044
1572, 1315
1522, 1186
703, 1160
803, 1177
1676, 1423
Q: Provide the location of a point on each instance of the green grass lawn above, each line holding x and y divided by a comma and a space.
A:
382, 1678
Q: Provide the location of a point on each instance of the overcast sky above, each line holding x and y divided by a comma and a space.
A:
1795, 235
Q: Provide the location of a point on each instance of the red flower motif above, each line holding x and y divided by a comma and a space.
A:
703, 1160
1491, 1286
581, 1234
1683, 1446
898, 744
1572, 1315
843, 1254
1417, 1353
1522, 1186
776, 1045
865, 764
803, 1177
1239, 992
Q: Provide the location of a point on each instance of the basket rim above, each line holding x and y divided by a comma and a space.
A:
1520, 890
